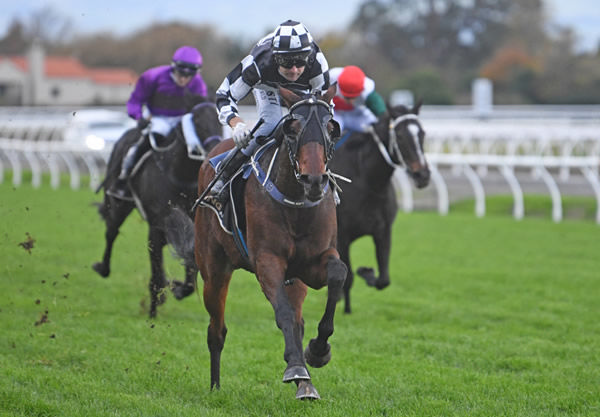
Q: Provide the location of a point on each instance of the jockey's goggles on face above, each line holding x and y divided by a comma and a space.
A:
290, 61
186, 70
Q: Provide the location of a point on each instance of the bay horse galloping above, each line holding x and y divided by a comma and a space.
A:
368, 204
162, 179
290, 234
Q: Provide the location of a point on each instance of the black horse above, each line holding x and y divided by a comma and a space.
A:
368, 204
290, 231
164, 178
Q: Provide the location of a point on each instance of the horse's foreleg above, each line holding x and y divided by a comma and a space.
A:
114, 216
215, 295
287, 304
318, 351
383, 244
156, 242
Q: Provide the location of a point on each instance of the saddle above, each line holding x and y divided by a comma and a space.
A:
232, 214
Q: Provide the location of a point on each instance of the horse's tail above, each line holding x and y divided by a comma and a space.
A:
179, 229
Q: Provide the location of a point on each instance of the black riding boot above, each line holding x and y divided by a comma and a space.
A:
230, 166
120, 189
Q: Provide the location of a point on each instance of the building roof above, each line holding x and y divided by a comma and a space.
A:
70, 67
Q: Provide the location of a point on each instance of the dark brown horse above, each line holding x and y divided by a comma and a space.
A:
161, 180
368, 204
291, 243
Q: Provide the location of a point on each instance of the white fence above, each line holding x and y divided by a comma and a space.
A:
52, 157
474, 167
556, 147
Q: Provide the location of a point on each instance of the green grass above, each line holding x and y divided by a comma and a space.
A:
484, 317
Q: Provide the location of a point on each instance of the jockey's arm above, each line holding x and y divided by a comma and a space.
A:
234, 121
376, 104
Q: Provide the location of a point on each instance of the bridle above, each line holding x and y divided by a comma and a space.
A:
393, 150
293, 140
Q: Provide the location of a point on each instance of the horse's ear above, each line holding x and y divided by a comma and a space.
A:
289, 97
417, 106
329, 93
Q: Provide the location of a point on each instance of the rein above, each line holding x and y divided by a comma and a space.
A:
393, 142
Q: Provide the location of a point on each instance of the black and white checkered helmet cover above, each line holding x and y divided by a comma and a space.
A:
291, 37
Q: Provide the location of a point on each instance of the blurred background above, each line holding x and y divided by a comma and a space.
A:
511, 88
533, 51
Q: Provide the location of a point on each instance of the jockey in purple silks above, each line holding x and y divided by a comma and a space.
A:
159, 100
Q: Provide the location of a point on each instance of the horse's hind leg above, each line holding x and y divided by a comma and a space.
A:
156, 242
114, 214
318, 351
383, 243
344, 250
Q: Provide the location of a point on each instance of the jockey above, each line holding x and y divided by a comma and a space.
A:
357, 104
166, 92
287, 57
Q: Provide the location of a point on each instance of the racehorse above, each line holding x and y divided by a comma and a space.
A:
164, 178
290, 232
368, 204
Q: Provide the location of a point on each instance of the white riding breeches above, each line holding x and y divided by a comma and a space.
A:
163, 124
269, 108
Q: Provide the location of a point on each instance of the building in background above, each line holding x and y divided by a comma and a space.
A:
39, 80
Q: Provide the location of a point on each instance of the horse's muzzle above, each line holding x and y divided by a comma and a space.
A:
313, 185
421, 177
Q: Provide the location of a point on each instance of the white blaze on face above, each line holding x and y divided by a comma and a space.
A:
414, 129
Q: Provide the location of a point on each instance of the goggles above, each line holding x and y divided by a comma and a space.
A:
187, 70
288, 62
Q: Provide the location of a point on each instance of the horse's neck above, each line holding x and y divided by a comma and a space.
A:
177, 163
378, 171
282, 173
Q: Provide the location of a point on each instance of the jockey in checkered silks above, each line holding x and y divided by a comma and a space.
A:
287, 57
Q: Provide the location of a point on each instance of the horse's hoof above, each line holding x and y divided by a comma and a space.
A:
101, 269
380, 284
368, 274
296, 372
306, 391
181, 289
315, 359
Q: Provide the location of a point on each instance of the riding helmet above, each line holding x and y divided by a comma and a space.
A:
187, 60
351, 81
292, 37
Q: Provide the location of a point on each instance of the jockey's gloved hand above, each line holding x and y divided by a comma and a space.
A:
142, 123
241, 135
